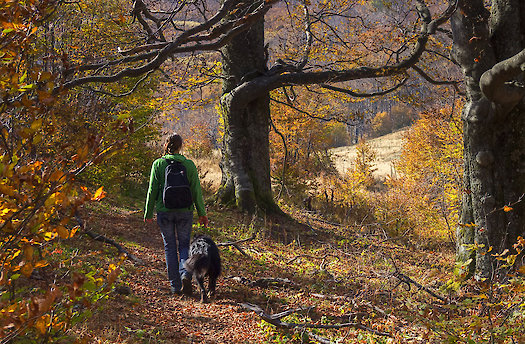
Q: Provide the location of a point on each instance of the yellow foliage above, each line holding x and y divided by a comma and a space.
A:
430, 173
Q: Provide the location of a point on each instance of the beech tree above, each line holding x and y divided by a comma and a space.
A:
250, 73
489, 45
245, 100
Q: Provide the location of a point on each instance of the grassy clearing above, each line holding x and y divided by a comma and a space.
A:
387, 147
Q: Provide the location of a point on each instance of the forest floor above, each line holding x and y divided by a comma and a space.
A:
340, 273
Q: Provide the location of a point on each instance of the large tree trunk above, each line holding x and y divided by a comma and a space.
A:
245, 153
488, 46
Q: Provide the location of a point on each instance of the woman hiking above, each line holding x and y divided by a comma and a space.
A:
175, 190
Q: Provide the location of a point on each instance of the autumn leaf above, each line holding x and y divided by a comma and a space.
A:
99, 194
41, 264
26, 269
42, 323
507, 208
521, 269
112, 276
62, 231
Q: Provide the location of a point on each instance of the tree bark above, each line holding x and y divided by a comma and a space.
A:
487, 46
245, 152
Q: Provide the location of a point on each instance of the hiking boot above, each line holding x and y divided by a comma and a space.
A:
175, 291
187, 288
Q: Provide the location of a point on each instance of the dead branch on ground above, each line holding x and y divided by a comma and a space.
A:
404, 279
323, 258
265, 282
99, 237
236, 244
275, 319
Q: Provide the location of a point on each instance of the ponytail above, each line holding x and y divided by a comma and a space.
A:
173, 144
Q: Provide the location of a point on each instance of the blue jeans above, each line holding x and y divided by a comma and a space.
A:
176, 230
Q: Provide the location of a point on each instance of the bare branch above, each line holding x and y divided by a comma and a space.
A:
244, 93
364, 95
100, 237
309, 37
157, 54
285, 158
125, 94
409, 281
228, 243
265, 282
236, 244
429, 79
319, 339
313, 257
325, 119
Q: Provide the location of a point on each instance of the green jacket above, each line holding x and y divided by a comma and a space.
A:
156, 185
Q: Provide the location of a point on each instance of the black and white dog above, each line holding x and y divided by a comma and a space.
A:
204, 260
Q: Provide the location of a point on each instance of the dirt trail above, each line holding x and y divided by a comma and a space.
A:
150, 314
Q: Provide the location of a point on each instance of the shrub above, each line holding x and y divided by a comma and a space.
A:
426, 193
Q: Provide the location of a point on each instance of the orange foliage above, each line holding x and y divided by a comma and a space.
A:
199, 142
37, 193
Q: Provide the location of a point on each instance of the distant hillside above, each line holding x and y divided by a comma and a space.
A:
387, 148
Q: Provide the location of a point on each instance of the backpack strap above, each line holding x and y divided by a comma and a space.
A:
173, 160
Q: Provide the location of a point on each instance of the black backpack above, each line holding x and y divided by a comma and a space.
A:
176, 193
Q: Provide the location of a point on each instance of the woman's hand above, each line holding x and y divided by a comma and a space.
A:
203, 220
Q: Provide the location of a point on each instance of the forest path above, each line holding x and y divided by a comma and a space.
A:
335, 269
150, 314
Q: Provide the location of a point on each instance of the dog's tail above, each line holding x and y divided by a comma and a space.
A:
197, 263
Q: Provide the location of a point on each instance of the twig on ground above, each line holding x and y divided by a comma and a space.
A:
331, 297
323, 258
264, 282
100, 237
318, 338
275, 320
236, 244
312, 257
409, 281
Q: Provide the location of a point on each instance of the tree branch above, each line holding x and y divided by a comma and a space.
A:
100, 237
496, 82
285, 158
309, 37
236, 244
309, 114
364, 95
265, 282
243, 94
125, 94
437, 82
218, 37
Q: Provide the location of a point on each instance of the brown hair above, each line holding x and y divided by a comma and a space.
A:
173, 144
